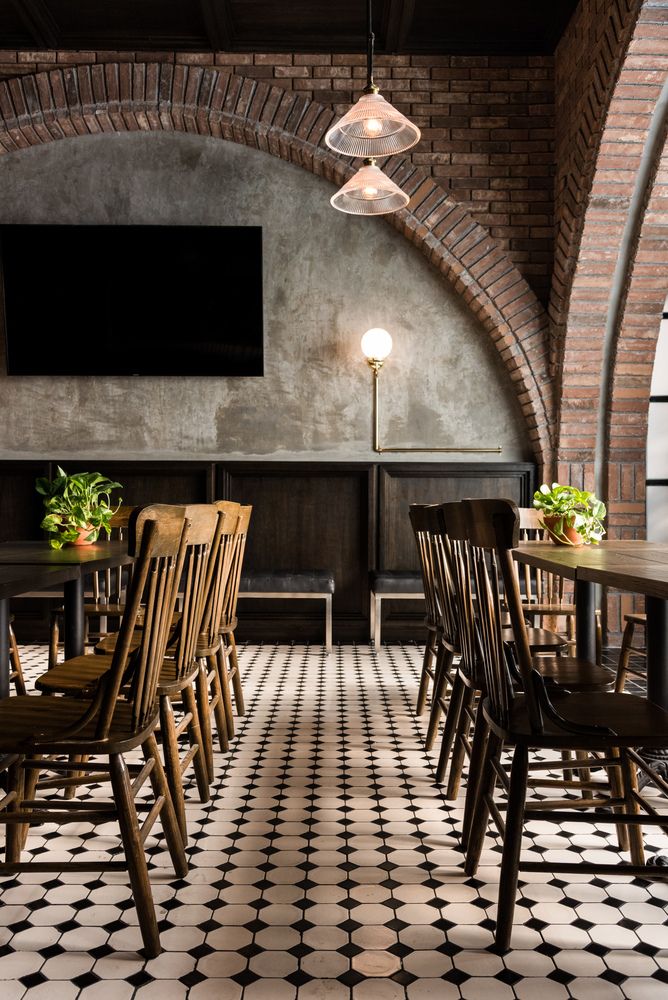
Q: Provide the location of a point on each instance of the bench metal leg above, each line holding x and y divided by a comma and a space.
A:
377, 614
328, 623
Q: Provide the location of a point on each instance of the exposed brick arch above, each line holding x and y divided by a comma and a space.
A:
619, 286
118, 97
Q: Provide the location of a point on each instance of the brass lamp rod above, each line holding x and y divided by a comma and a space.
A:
375, 366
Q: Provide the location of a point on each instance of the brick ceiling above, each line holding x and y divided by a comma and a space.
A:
415, 26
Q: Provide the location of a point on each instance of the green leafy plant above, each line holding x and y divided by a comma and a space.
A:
76, 502
567, 507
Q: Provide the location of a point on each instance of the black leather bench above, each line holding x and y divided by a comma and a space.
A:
393, 586
303, 585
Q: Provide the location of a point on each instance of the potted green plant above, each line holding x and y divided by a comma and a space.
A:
570, 516
78, 507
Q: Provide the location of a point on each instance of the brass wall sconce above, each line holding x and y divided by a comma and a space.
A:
376, 347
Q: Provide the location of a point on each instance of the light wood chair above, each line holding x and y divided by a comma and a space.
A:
178, 682
103, 729
228, 616
604, 726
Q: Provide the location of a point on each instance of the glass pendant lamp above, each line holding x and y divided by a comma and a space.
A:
369, 192
372, 127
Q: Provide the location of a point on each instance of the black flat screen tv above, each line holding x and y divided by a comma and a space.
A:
132, 300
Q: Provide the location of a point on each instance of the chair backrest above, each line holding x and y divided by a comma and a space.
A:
229, 603
202, 539
110, 585
453, 526
493, 530
158, 538
424, 521
536, 585
220, 567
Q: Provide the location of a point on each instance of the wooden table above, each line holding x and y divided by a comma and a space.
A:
18, 579
78, 561
639, 567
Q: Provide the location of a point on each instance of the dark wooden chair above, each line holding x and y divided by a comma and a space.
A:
439, 652
604, 726
103, 729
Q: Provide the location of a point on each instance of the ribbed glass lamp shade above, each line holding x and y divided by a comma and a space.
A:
371, 128
369, 192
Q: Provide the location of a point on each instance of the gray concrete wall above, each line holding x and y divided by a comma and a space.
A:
328, 277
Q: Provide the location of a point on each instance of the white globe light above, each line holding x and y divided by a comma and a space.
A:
376, 344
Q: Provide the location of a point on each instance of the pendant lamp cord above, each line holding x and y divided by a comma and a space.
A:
370, 85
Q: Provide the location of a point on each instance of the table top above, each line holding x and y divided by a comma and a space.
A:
625, 564
19, 578
85, 558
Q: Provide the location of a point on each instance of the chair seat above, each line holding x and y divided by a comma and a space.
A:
540, 639
633, 721
637, 619
575, 673
531, 608
38, 724
287, 582
75, 676
390, 582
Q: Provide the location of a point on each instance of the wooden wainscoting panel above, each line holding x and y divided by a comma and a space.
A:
307, 516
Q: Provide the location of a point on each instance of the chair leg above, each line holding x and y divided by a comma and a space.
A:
196, 737
480, 737
54, 637
170, 749
16, 833
444, 660
481, 813
202, 697
427, 660
458, 746
630, 782
624, 656
217, 670
134, 853
15, 661
451, 723
236, 677
512, 846
167, 815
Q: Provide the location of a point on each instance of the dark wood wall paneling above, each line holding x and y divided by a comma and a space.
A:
348, 517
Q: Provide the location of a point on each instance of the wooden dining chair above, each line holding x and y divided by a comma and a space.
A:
215, 701
606, 727
178, 682
103, 729
107, 591
228, 617
629, 653
435, 650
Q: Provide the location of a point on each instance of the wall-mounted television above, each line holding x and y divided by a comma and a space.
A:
132, 300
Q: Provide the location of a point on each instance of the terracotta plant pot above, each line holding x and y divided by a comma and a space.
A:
568, 536
82, 538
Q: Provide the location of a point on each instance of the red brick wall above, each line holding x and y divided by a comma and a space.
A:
487, 125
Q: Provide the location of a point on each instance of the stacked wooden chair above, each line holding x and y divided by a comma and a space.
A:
101, 728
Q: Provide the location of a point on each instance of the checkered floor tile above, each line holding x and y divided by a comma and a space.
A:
326, 867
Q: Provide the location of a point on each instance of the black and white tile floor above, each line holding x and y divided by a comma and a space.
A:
327, 867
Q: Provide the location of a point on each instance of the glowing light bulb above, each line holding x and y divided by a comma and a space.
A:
369, 192
373, 127
376, 344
